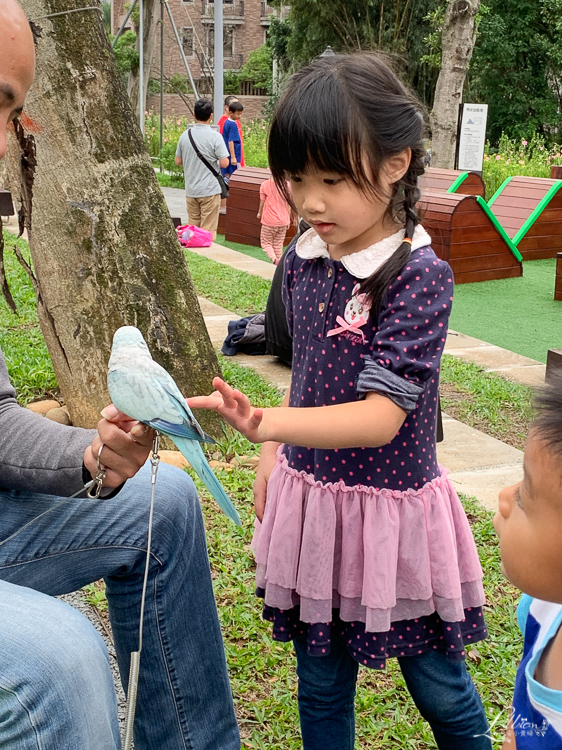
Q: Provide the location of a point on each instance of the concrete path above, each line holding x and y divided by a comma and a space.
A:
495, 359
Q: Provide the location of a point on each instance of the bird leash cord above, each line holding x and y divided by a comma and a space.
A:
135, 656
93, 492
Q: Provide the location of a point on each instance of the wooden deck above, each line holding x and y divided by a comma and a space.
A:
452, 181
530, 211
465, 233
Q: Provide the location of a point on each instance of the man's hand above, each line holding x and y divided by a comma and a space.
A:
126, 445
234, 407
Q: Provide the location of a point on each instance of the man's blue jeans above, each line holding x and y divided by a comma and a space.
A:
56, 690
442, 690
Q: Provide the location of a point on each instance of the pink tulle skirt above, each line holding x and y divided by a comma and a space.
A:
380, 556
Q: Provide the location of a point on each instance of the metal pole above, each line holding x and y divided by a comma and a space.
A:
161, 80
219, 61
114, 42
183, 57
141, 67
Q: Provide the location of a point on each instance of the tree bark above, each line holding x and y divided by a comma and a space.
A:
151, 21
458, 38
104, 250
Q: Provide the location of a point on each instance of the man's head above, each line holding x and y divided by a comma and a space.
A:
529, 520
235, 109
227, 100
203, 110
17, 64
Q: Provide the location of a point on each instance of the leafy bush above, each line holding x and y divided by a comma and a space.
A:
258, 68
255, 143
518, 157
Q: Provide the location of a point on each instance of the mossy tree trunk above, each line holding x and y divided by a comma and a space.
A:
104, 250
458, 38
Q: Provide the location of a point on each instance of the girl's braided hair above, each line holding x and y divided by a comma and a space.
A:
348, 114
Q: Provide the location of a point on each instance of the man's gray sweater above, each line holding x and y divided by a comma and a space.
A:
36, 454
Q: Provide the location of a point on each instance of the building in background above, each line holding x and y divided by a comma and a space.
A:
245, 29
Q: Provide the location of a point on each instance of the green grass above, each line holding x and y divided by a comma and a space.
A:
170, 180
251, 250
236, 290
486, 401
21, 339
518, 314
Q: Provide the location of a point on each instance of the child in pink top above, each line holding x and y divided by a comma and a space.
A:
275, 219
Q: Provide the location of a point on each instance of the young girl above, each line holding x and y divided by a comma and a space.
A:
275, 219
363, 551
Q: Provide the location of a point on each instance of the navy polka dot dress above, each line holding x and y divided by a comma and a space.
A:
371, 544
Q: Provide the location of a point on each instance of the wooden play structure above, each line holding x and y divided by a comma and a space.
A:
452, 181
466, 234
558, 282
530, 211
241, 223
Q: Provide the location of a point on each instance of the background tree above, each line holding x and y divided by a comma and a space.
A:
517, 68
103, 247
398, 28
457, 42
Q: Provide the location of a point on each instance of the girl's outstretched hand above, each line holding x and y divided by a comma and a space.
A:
234, 407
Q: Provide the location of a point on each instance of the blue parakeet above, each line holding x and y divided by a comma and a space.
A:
142, 389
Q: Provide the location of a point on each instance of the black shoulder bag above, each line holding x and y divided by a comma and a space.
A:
222, 184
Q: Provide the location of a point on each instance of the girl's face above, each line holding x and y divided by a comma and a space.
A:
345, 217
529, 524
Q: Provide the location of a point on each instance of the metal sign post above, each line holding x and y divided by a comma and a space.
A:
219, 61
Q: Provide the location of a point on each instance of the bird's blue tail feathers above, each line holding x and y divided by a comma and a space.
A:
194, 454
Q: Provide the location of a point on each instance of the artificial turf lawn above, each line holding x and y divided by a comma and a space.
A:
516, 314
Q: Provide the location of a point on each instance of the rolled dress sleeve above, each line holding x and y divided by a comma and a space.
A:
409, 342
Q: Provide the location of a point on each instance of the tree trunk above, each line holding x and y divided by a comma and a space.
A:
459, 35
104, 250
151, 21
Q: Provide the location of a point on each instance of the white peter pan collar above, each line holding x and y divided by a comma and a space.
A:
364, 262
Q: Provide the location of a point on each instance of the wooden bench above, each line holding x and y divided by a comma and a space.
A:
452, 181
530, 211
558, 281
240, 222
465, 233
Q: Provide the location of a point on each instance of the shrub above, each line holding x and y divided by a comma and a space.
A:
518, 157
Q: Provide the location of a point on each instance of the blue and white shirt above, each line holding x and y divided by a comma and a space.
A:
537, 710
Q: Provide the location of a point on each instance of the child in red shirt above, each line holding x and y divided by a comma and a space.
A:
275, 219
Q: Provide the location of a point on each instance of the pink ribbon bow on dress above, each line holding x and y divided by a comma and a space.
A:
345, 326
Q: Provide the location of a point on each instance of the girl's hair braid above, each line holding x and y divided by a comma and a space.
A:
403, 207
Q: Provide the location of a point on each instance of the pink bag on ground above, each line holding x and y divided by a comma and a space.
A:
191, 236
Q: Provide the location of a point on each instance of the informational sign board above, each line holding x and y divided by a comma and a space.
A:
472, 137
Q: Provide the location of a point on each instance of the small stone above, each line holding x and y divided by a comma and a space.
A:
474, 654
220, 465
42, 407
251, 462
174, 458
58, 415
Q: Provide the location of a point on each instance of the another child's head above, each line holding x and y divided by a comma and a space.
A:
349, 117
203, 110
235, 109
529, 519
227, 100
